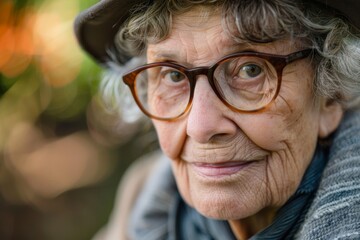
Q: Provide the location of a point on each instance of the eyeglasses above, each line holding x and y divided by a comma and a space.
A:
244, 82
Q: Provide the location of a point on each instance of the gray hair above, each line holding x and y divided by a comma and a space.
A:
336, 42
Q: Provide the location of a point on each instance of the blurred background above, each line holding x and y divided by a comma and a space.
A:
61, 153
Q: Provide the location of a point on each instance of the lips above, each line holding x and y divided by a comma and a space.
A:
219, 169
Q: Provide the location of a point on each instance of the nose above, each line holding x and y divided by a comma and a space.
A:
208, 117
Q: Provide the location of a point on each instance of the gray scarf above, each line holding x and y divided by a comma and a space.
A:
335, 211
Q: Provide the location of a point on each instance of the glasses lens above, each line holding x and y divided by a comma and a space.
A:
163, 91
247, 82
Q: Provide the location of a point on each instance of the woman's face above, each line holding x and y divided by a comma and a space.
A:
231, 165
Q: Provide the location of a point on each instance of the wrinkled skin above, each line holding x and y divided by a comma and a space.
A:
270, 149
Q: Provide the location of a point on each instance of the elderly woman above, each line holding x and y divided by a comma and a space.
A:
245, 96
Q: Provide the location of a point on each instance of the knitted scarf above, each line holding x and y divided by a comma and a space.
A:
335, 211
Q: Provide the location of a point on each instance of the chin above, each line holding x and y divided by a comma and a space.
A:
224, 206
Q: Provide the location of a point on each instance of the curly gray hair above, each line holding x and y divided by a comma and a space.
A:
336, 42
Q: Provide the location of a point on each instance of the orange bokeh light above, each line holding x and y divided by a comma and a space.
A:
43, 36
60, 58
6, 9
16, 41
7, 44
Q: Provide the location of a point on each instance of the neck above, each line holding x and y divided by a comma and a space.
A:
247, 227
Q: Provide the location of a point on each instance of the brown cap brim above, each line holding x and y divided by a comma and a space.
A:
96, 27
349, 9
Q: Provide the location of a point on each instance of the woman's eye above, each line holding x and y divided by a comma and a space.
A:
175, 76
250, 71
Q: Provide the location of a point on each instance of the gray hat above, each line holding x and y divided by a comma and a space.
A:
96, 27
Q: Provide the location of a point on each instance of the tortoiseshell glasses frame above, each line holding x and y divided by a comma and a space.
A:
243, 81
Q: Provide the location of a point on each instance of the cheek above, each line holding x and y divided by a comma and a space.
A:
293, 117
171, 137
275, 132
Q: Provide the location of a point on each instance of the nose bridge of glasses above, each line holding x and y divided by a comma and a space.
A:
194, 72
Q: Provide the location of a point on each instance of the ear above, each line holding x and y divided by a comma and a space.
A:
331, 113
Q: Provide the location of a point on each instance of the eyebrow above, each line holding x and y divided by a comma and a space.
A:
167, 57
171, 56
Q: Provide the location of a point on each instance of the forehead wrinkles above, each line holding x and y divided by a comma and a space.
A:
202, 46
199, 31
195, 39
199, 16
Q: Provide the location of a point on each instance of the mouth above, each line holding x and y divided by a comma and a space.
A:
220, 169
